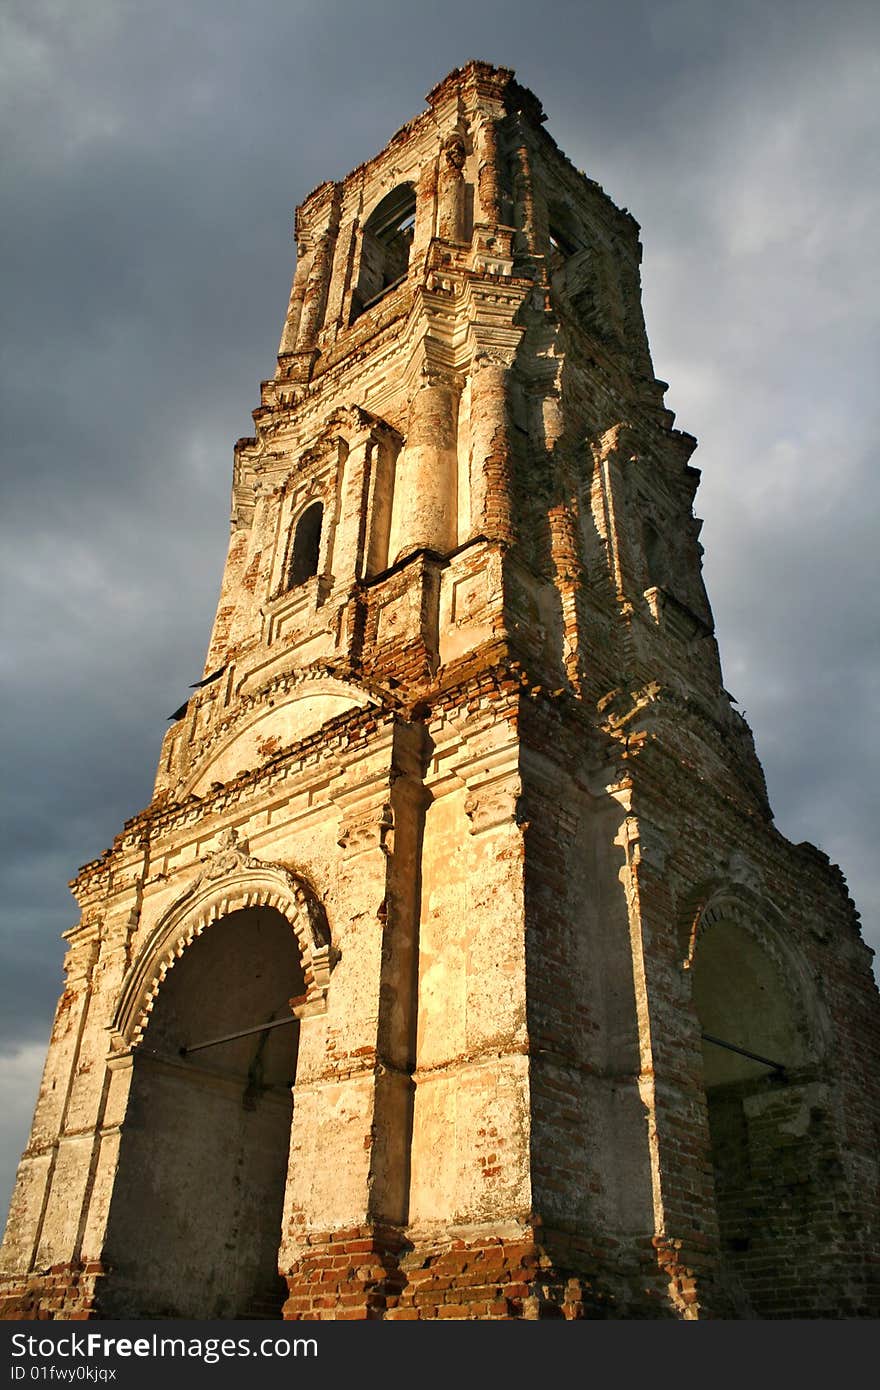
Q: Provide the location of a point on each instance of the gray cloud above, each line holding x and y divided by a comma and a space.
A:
154, 155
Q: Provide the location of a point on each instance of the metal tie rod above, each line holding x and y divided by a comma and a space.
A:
243, 1033
284, 1022
743, 1052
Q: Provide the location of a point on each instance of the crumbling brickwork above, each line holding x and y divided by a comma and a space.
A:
456, 968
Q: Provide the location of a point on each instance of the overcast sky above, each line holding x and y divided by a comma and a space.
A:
154, 152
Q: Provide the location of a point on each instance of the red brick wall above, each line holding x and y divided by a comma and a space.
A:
65, 1292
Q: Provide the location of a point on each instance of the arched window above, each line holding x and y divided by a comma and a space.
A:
306, 546
565, 239
385, 246
561, 247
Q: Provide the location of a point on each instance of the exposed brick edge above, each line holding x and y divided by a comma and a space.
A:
65, 1292
374, 1273
370, 1274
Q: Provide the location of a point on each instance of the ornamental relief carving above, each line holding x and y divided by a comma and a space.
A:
494, 804
368, 830
230, 879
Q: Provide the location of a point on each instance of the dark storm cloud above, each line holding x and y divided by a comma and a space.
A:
153, 156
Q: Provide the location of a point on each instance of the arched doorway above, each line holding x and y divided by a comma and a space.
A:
768, 1124
195, 1218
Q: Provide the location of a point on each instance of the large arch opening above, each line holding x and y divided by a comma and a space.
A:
195, 1219
768, 1123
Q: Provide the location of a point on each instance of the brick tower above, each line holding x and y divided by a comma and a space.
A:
456, 968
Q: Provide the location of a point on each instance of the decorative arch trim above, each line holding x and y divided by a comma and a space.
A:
230, 880
754, 913
719, 898
306, 701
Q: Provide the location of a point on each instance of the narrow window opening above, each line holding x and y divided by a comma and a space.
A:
306, 546
564, 236
561, 248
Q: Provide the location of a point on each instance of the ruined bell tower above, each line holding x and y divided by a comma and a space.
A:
456, 967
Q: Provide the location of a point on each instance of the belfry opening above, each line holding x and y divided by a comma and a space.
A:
195, 1220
